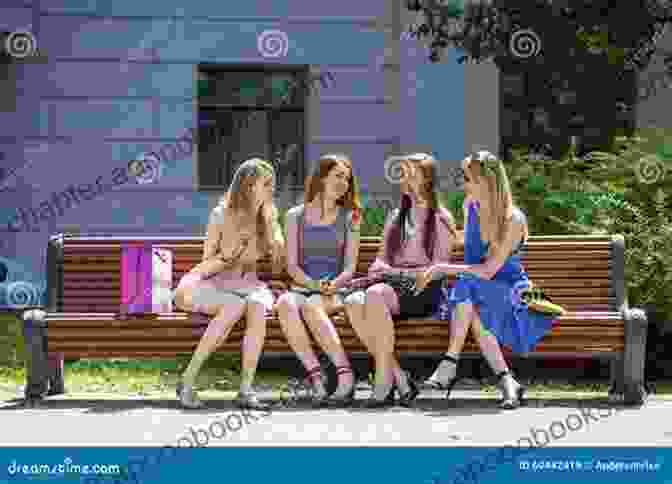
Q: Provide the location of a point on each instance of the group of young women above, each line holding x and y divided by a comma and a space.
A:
321, 248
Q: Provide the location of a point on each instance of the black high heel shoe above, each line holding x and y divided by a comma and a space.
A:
388, 401
347, 399
407, 398
513, 395
447, 387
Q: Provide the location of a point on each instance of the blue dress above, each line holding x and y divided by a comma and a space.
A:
501, 310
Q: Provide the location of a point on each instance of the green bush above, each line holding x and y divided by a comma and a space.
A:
625, 191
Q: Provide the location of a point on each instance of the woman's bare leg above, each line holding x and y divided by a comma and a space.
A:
253, 342
357, 315
289, 312
315, 314
226, 316
379, 316
512, 391
461, 321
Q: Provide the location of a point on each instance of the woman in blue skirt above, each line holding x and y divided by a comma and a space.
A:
486, 293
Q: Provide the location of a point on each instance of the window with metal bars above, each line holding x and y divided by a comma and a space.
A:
251, 111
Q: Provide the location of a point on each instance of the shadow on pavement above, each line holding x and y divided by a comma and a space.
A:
431, 407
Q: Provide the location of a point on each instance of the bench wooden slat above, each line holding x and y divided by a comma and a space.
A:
574, 270
195, 332
158, 349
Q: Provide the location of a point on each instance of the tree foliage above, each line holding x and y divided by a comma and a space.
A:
624, 30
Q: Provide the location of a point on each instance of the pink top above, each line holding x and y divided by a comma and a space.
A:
412, 253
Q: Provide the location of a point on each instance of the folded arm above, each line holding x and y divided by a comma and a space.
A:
487, 270
217, 257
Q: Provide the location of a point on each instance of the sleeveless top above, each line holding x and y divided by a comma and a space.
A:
321, 248
477, 249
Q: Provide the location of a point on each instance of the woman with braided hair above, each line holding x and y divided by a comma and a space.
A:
242, 228
486, 293
418, 235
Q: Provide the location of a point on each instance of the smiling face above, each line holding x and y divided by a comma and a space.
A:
337, 182
418, 177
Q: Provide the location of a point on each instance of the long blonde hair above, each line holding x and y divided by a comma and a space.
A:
238, 199
497, 203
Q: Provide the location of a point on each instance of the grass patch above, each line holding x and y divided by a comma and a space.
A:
142, 377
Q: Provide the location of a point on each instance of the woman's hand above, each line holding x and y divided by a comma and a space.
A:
479, 271
327, 288
278, 255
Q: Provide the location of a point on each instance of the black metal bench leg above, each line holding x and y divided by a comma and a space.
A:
37, 368
55, 370
634, 356
617, 385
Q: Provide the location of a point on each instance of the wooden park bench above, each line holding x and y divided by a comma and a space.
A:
584, 274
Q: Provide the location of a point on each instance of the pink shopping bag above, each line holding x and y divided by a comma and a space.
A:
146, 279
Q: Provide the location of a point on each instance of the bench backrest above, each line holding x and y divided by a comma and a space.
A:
582, 273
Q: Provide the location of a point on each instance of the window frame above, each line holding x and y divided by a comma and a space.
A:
302, 71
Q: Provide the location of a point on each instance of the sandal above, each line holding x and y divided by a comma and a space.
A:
319, 394
249, 401
513, 392
407, 398
441, 386
188, 400
348, 398
388, 401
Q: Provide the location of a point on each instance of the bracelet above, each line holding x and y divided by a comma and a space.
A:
467, 275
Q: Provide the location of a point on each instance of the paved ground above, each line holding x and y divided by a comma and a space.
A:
471, 418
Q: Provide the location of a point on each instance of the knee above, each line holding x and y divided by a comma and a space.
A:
313, 306
375, 295
255, 307
465, 311
287, 304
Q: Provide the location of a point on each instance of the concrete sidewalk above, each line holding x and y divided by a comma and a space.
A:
470, 418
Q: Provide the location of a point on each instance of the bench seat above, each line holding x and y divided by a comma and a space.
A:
584, 274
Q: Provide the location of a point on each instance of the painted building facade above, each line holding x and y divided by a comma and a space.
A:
113, 80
